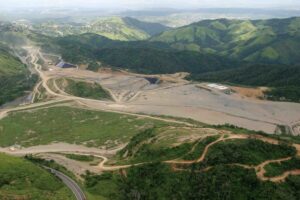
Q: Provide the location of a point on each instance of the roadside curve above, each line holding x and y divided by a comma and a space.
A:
72, 185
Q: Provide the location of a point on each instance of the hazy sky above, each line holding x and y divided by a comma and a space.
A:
139, 4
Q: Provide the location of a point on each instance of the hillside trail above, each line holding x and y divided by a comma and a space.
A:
206, 149
285, 175
36, 92
259, 169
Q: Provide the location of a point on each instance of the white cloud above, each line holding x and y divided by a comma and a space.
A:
150, 3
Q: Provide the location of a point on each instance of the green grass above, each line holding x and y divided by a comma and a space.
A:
249, 151
80, 157
84, 89
20, 179
276, 169
71, 125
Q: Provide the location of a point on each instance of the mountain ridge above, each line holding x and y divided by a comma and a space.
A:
249, 40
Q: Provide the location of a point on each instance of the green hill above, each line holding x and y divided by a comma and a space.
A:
20, 179
115, 28
267, 41
15, 79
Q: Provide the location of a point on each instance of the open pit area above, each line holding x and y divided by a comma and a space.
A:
171, 95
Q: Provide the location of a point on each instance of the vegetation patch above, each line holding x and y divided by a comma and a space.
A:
83, 158
84, 89
276, 169
199, 148
20, 179
288, 93
104, 186
155, 145
249, 151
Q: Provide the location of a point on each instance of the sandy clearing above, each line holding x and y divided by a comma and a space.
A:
76, 167
252, 93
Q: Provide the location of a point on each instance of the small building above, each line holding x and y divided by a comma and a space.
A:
219, 87
63, 64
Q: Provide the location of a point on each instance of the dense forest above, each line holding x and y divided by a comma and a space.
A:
158, 181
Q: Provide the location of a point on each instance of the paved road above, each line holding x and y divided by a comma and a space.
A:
79, 194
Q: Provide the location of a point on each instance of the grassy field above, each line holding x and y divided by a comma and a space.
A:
20, 179
71, 125
84, 89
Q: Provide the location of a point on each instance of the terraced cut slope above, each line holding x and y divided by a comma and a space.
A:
20, 179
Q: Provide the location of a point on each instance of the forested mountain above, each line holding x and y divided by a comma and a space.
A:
115, 28
139, 56
264, 41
